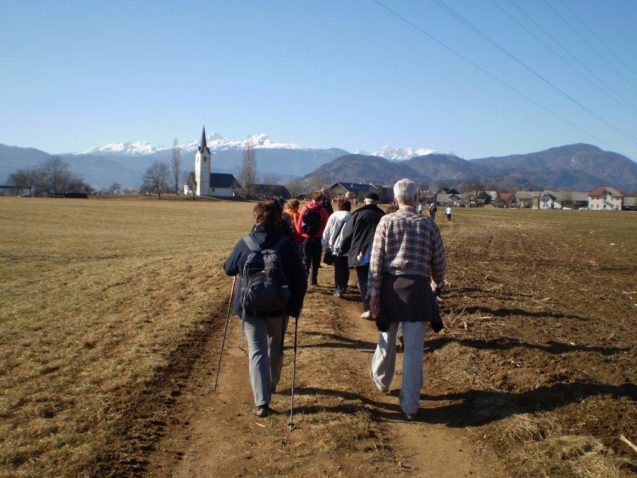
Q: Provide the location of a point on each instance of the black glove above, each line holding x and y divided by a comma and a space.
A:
437, 325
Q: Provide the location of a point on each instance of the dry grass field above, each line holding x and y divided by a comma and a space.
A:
98, 298
110, 311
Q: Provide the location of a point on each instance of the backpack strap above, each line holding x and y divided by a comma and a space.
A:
251, 243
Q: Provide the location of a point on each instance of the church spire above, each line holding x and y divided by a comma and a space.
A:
204, 145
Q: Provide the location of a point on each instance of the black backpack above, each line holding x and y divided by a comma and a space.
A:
264, 286
311, 221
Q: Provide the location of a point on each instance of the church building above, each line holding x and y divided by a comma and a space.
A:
206, 183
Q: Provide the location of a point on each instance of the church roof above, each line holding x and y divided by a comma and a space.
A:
223, 180
204, 145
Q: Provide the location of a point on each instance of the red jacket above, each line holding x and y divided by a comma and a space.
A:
324, 216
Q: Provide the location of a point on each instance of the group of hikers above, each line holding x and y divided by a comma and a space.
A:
399, 261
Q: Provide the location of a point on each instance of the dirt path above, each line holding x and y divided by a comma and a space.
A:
343, 425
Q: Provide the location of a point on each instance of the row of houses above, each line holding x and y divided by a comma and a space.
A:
601, 198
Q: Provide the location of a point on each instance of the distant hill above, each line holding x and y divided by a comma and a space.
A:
445, 167
359, 168
13, 158
573, 167
577, 166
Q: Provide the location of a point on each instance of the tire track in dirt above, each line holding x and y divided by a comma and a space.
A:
343, 425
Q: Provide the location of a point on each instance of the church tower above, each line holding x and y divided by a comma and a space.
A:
202, 167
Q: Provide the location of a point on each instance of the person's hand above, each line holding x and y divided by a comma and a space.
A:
374, 304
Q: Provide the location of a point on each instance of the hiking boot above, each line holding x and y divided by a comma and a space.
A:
367, 315
262, 411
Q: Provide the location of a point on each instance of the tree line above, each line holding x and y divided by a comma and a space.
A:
51, 178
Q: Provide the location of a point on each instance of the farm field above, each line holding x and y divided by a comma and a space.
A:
111, 313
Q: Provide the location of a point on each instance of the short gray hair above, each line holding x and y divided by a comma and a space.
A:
405, 190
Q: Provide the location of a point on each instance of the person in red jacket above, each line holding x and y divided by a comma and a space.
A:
310, 226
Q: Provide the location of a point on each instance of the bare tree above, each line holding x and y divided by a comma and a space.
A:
296, 187
115, 188
22, 179
318, 180
176, 164
248, 174
272, 179
192, 184
156, 178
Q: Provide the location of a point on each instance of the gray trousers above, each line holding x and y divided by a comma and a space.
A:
265, 352
384, 362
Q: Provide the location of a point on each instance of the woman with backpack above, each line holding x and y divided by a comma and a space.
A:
312, 221
332, 239
271, 287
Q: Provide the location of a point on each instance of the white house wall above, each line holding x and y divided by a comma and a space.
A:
222, 192
609, 204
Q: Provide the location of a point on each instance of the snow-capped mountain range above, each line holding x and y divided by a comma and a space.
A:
217, 142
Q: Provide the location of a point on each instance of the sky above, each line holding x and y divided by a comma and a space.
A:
471, 77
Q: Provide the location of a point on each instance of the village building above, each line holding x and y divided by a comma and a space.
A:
504, 199
528, 199
548, 200
605, 198
630, 203
453, 199
359, 191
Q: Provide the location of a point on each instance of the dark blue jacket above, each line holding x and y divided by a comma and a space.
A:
267, 237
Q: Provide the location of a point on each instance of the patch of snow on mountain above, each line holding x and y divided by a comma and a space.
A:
399, 154
136, 147
259, 141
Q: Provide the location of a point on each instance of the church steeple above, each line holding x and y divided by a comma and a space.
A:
204, 145
202, 166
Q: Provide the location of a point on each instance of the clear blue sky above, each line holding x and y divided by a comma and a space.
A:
79, 74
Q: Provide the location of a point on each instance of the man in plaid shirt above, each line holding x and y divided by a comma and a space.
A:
407, 254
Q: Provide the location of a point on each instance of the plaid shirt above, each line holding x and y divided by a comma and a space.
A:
406, 240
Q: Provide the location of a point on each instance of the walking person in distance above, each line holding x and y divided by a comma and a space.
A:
407, 253
312, 221
358, 236
271, 287
432, 210
332, 239
448, 213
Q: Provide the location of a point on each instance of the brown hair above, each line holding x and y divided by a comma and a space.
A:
317, 196
293, 204
343, 204
266, 213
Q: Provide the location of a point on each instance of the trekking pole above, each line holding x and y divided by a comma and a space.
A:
225, 332
296, 328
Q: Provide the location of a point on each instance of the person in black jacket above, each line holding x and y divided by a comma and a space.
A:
265, 331
357, 243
